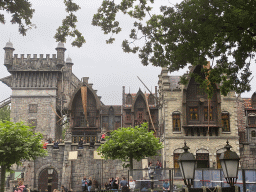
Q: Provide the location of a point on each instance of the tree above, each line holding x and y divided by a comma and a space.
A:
128, 143
192, 32
5, 113
22, 13
18, 142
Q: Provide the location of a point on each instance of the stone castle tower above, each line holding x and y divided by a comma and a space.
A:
41, 88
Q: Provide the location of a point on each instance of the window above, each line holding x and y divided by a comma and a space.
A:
128, 116
32, 108
176, 121
225, 122
193, 113
177, 172
202, 160
218, 161
140, 116
253, 133
206, 113
251, 120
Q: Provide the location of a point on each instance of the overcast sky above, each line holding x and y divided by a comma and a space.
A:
107, 66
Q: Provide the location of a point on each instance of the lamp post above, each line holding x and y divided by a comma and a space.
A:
152, 170
187, 164
229, 161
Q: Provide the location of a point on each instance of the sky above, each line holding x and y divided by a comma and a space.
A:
107, 66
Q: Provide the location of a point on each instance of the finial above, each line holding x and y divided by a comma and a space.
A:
228, 146
186, 148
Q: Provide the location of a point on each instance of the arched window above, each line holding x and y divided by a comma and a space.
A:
176, 121
225, 121
253, 133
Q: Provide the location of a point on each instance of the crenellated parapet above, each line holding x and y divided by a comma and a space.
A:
22, 62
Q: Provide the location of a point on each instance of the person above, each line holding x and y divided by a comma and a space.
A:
21, 187
94, 185
45, 144
117, 182
150, 171
80, 144
123, 184
166, 186
103, 137
131, 183
158, 164
49, 140
107, 187
109, 182
63, 189
84, 184
56, 145
114, 186
89, 183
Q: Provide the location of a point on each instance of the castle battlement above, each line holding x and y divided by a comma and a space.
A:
35, 56
29, 62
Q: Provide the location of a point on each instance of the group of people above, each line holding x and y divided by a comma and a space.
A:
116, 184
89, 184
158, 167
55, 143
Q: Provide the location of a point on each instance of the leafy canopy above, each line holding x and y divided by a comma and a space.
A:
192, 32
22, 13
18, 142
128, 143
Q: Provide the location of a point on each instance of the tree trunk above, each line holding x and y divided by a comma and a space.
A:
3, 170
131, 167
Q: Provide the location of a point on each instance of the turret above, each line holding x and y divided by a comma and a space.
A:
8, 55
69, 64
60, 55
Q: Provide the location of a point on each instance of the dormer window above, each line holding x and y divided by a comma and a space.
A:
129, 99
151, 100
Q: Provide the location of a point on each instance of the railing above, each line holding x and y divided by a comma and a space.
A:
5, 102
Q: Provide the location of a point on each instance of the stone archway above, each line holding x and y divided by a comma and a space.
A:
40, 172
47, 181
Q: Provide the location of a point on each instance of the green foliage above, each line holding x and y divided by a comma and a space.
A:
18, 142
21, 11
68, 27
191, 32
5, 113
130, 143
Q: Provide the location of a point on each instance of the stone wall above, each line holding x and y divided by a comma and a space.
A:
36, 108
70, 173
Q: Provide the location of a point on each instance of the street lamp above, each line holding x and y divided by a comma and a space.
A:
50, 171
229, 161
187, 164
